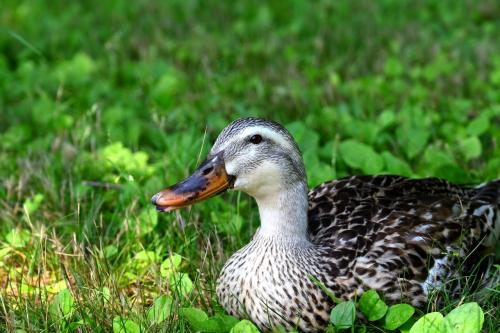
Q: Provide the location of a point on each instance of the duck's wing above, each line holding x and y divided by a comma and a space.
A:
385, 231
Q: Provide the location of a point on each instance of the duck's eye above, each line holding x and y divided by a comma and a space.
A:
256, 139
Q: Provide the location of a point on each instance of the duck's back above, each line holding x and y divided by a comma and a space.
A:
403, 236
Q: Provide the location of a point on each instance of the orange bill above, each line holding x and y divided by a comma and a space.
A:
207, 181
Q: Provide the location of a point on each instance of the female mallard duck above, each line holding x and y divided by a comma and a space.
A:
397, 235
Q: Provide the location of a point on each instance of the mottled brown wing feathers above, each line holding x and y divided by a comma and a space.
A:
393, 229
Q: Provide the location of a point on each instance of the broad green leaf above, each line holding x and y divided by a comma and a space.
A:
453, 173
328, 151
436, 157
124, 325
110, 251
194, 316
244, 326
362, 131
479, 125
417, 139
160, 310
144, 259
360, 328
471, 147
372, 306
207, 326
106, 294
495, 77
116, 157
57, 287
360, 156
234, 227
307, 140
406, 327
393, 67
78, 69
128, 278
217, 324
413, 131
61, 306
18, 237
334, 79
435, 69
31, 205
322, 172
395, 165
170, 265
492, 168
15, 135
343, 315
430, 323
397, 315
167, 87
225, 322
357, 129
200, 322
147, 256
387, 118
181, 282
467, 318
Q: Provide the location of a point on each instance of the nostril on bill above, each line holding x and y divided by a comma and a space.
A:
207, 171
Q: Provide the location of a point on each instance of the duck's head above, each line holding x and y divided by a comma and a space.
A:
252, 155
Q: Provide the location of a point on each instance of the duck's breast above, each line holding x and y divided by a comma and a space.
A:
270, 283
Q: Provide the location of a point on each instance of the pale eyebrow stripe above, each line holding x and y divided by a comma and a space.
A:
266, 133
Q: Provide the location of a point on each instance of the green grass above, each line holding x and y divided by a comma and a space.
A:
104, 103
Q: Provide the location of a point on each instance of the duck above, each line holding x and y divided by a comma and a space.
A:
401, 236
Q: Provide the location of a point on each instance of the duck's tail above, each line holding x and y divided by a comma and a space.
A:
485, 211
489, 196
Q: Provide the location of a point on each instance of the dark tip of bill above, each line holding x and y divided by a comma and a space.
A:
154, 199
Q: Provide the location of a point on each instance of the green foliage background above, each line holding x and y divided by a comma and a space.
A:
102, 103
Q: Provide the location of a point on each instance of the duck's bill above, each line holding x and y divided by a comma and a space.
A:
207, 181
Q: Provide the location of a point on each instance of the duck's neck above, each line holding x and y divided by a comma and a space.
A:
283, 213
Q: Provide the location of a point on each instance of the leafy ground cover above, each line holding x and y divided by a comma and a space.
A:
103, 103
